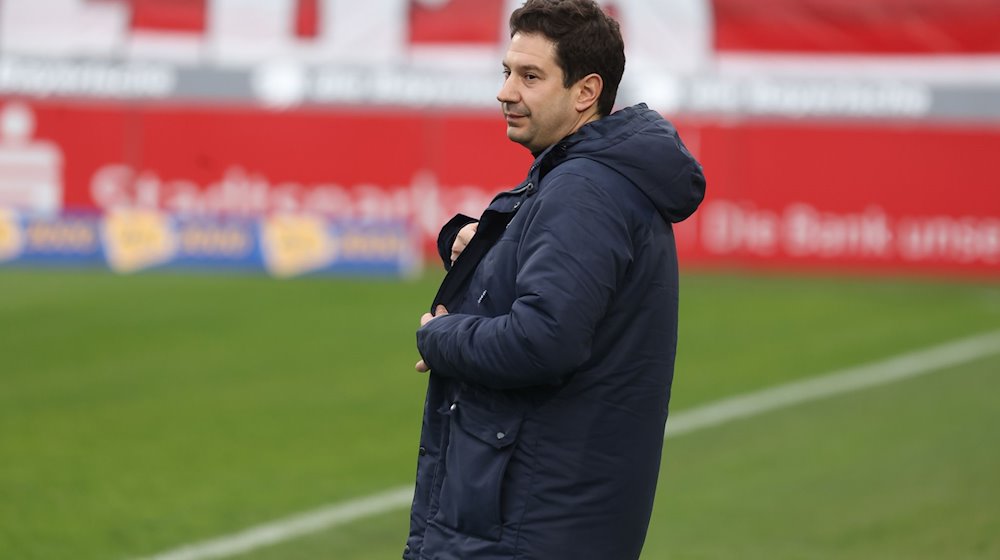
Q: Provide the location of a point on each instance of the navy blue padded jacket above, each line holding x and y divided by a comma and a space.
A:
550, 376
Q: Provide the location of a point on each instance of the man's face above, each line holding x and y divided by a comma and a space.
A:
539, 110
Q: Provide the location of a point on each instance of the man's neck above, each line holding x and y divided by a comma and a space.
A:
591, 118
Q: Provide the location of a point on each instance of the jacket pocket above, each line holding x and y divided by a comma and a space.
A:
479, 448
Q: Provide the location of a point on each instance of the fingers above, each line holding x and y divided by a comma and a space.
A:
457, 248
440, 310
425, 318
467, 232
462, 239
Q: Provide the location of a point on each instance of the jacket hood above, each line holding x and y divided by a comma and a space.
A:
644, 147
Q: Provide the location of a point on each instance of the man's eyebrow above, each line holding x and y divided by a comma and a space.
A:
525, 67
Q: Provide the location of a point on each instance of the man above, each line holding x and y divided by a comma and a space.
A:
551, 347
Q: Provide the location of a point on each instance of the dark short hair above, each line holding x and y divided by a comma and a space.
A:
588, 41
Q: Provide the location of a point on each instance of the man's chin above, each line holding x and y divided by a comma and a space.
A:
515, 135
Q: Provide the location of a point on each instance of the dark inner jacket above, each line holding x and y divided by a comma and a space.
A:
551, 374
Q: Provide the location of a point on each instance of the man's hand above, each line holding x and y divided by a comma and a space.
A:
426, 318
462, 240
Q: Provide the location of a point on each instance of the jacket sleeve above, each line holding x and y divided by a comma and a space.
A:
575, 247
449, 232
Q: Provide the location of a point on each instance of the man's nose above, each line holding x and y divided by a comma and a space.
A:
507, 93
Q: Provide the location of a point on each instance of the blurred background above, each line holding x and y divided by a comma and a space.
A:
217, 226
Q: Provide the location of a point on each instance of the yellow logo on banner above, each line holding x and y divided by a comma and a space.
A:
296, 244
11, 237
137, 239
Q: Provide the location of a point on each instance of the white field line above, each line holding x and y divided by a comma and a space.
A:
882, 372
290, 527
720, 412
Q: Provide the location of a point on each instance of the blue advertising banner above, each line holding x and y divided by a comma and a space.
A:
282, 245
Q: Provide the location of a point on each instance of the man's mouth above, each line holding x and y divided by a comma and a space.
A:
512, 116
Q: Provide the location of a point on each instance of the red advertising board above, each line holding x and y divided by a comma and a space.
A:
858, 26
863, 195
857, 134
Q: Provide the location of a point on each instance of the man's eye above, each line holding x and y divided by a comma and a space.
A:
506, 73
530, 77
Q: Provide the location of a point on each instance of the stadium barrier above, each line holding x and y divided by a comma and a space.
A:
282, 245
868, 148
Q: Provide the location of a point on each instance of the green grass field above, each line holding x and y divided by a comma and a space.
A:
141, 413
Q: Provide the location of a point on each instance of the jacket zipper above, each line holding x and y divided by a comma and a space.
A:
525, 187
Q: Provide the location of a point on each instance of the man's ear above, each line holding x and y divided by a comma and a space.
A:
589, 90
